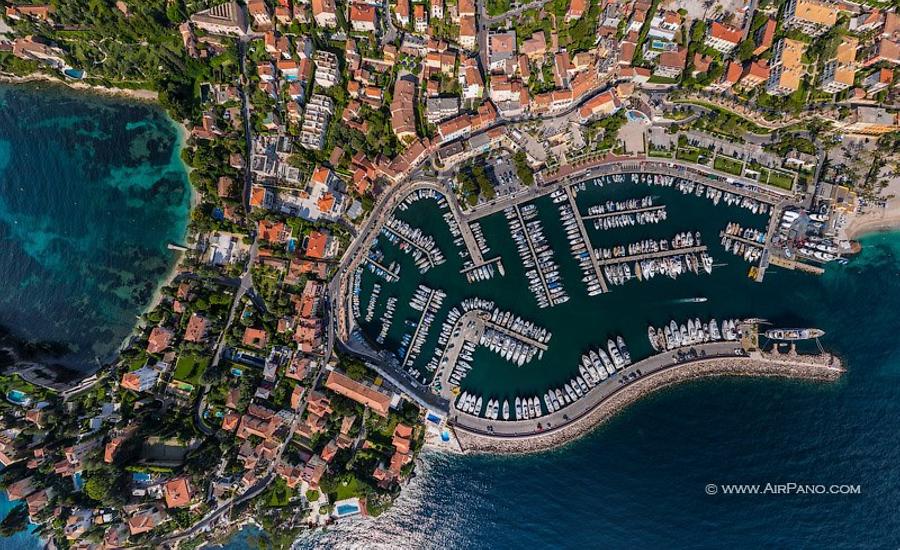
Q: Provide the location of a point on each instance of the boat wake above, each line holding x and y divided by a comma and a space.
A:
695, 300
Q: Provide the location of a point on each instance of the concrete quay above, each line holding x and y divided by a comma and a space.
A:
604, 402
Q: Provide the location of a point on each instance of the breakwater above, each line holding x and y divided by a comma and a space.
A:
821, 368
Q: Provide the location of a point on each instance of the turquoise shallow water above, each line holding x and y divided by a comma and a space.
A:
91, 191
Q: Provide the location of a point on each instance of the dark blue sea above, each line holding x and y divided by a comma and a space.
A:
639, 480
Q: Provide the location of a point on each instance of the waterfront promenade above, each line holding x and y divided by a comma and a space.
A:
609, 397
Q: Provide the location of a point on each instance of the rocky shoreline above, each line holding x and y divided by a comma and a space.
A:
138, 94
825, 369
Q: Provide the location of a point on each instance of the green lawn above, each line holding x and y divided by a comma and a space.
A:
352, 489
189, 368
279, 494
780, 179
688, 154
730, 165
660, 153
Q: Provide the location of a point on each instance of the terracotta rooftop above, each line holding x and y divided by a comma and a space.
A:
361, 393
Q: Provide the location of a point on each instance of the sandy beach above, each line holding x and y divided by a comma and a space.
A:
877, 219
771, 367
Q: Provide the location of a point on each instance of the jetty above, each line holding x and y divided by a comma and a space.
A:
495, 260
511, 333
579, 220
428, 253
392, 276
425, 310
653, 255
623, 212
795, 265
534, 255
739, 239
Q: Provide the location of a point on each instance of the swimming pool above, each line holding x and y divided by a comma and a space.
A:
17, 397
347, 509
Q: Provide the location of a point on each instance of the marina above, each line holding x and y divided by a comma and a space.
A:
485, 362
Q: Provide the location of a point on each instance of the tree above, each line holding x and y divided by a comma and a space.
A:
15, 521
99, 484
745, 50
356, 371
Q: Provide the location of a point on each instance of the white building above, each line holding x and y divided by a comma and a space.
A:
327, 71
315, 122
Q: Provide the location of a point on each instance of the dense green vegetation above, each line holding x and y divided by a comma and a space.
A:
474, 183
140, 50
523, 170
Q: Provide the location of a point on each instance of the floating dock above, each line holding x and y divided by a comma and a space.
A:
425, 312
587, 240
653, 255
624, 212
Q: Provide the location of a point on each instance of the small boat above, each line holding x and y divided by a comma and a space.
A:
506, 410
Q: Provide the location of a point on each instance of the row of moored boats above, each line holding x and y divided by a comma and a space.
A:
694, 331
752, 250
596, 366
579, 247
412, 240
541, 269
668, 261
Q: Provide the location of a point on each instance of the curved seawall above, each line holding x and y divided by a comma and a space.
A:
812, 368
